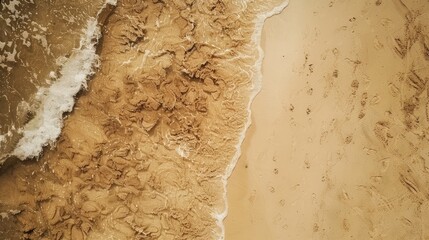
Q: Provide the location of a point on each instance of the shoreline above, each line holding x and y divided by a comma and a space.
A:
147, 149
331, 142
256, 88
58, 99
33, 47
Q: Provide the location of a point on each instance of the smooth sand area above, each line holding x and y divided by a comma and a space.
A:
338, 147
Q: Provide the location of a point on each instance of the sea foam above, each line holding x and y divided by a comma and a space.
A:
256, 88
59, 98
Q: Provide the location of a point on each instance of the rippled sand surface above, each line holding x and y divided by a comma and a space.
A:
338, 147
147, 149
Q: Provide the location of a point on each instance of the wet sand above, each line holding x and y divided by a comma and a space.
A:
338, 147
146, 152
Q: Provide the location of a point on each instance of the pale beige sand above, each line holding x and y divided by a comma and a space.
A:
338, 147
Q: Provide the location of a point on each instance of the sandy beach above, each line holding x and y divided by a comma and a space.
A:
152, 140
148, 147
338, 146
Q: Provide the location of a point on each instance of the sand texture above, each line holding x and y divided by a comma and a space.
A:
338, 147
146, 151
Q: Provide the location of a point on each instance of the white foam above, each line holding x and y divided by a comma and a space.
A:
58, 99
111, 2
256, 88
4, 215
2, 139
183, 151
11, 6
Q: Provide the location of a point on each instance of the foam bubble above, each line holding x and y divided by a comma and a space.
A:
2, 139
4, 215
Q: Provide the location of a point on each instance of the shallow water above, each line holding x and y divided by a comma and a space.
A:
36, 39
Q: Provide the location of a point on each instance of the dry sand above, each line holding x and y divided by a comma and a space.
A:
338, 147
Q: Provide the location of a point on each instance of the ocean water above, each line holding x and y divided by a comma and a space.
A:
42, 44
